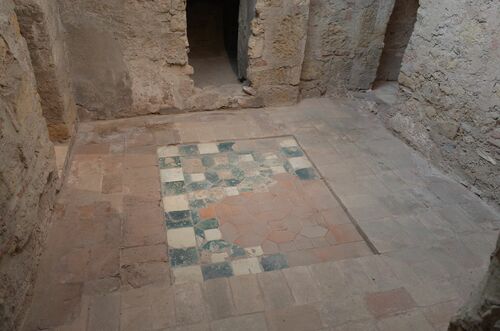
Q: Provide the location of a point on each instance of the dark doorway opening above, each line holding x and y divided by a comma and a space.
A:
212, 28
397, 37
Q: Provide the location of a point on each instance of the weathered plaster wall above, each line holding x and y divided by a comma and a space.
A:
345, 39
450, 79
27, 170
42, 28
276, 49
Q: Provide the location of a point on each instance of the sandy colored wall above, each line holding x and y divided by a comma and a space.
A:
41, 27
127, 57
397, 36
276, 49
450, 99
27, 171
345, 40
131, 57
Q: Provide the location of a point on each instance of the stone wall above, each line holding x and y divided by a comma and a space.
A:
397, 36
127, 57
276, 49
27, 170
344, 43
450, 82
131, 57
42, 28
482, 310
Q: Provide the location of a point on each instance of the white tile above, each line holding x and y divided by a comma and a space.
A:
213, 234
181, 238
191, 274
270, 156
254, 251
175, 203
246, 158
246, 266
209, 148
219, 257
168, 151
299, 163
171, 175
290, 142
231, 191
278, 170
197, 177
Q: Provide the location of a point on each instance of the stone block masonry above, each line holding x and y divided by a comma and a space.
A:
41, 26
345, 40
28, 173
449, 107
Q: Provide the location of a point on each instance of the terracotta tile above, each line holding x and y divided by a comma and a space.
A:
269, 247
287, 246
229, 232
281, 236
248, 240
390, 302
207, 213
345, 233
335, 216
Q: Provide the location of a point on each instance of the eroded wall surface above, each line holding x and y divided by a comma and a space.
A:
131, 57
450, 78
41, 27
27, 170
345, 40
276, 49
482, 310
397, 36
127, 57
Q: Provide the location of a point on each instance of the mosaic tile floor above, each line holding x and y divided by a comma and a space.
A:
248, 206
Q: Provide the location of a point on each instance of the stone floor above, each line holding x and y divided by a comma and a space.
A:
369, 237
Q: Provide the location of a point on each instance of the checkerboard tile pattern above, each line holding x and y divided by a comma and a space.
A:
196, 177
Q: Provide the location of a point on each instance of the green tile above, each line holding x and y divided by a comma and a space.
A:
197, 204
172, 188
183, 256
216, 270
185, 223
231, 182
212, 177
208, 224
178, 215
274, 262
237, 251
169, 162
199, 232
238, 173
195, 216
188, 149
226, 147
306, 174
292, 152
197, 186
178, 219
288, 167
207, 161
215, 246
